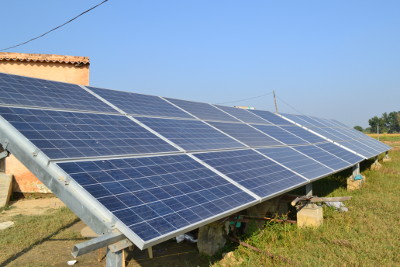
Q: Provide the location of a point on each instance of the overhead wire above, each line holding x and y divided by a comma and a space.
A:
254, 97
301, 113
65, 23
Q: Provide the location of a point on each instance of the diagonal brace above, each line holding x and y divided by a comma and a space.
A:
96, 243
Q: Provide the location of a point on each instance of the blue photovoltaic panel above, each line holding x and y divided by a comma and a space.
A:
191, 135
341, 153
300, 119
202, 110
62, 134
133, 103
24, 91
243, 115
246, 134
297, 162
155, 196
304, 134
323, 157
253, 171
280, 134
271, 117
360, 149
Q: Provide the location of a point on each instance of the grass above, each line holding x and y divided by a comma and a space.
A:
367, 235
30, 231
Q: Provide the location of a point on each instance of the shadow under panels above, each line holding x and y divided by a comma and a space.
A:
157, 197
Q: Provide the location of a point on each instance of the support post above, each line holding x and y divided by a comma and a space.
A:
2, 161
356, 169
386, 158
309, 190
150, 251
114, 259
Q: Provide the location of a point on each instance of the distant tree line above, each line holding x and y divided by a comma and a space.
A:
387, 123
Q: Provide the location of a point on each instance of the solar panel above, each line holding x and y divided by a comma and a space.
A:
271, 117
246, 134
341, 152
139, 104
157, 196
202, 110
61, 134
304, 134
280, 134
191, 135
24, 91
297, 162
324, 157
243, 115
253, 171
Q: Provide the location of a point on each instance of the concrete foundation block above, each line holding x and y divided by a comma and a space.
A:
376, 166
310, 215
5, 188
387, 159
211, 237
354, 184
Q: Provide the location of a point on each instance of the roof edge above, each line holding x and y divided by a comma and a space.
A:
8, 56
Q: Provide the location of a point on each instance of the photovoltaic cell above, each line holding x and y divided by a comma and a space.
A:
246, 134
23, 91
297, 162
253, 171
271, 117
202, 110
243, 115
191, 135
323, 157
139, 104
280, 134
304, 134
62, 134
341, 153
155, 196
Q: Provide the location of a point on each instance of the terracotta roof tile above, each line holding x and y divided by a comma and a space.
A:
44, 58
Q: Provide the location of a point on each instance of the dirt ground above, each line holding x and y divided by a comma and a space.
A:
57, 250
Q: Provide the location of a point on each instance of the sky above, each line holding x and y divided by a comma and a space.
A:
332, 59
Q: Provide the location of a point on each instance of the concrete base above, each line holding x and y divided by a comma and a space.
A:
386, 158
5, 188
211, 237
310, 215
376, 166
354, 184
275, 207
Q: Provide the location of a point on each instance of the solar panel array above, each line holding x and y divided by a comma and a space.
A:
162, 166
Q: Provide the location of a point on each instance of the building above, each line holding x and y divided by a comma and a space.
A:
70, 69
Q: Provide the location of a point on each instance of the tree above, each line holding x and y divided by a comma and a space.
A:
376, 124
358, 128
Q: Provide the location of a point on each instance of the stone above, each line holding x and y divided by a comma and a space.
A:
229, 260
211, 238
354, 184
5, 225
5, 188
310, 215
386, 158
376, 166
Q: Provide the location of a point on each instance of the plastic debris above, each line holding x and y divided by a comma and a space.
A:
337, 205
187, 237
72, 262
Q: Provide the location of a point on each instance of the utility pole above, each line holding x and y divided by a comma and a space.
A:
276, 106
377, 129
